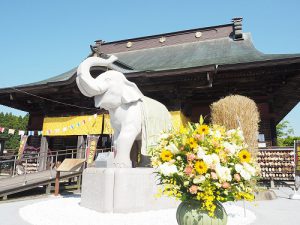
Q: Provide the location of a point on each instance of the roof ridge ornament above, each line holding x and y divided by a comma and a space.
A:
237, 29
96, 50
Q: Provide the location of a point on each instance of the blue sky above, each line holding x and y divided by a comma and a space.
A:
40, 39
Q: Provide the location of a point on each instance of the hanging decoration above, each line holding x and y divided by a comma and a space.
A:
12, 131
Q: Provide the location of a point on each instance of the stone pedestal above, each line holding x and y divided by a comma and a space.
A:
122, 190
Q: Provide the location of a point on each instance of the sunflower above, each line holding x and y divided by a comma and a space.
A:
166, 155
244, 156
200, 167
192, 143
203, 129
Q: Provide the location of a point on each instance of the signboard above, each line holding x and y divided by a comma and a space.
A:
92, 141
71, 165
297, 159
22, 146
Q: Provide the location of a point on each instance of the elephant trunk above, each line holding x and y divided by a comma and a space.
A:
85, 82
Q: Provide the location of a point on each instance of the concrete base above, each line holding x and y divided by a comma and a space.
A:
122, 190
295, 196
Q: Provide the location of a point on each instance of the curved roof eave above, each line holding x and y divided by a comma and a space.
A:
62, 79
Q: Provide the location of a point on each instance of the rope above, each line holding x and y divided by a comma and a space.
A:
51, 100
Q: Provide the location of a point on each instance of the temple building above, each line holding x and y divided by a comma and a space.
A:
185, 70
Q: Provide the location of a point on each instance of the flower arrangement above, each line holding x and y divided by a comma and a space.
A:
206, 163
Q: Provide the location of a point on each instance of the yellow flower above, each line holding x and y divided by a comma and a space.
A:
200, 167
244, 156
182, 130
192, 143
203, 129
244, 195
166, 155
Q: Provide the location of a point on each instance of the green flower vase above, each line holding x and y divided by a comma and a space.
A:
189, 213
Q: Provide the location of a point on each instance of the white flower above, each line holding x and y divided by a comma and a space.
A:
208, 160
238, 168
245, 174
218, 134
231, 148
200, 153
230, 132
245, 170
218, 185
215, 159
240, 134
211, 160
250, 169
163, 136
207, 175
172, 148
199, 179
167, 169
223, 173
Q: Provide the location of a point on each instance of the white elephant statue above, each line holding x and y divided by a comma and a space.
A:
133, 116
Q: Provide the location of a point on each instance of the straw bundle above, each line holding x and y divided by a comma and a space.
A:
238, 111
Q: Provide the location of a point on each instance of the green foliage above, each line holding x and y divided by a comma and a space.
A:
288, 141
284, 129
285, 134
10, 121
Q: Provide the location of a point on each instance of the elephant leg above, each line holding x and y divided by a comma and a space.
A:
124, 143
145, 161
134, 153
137, 158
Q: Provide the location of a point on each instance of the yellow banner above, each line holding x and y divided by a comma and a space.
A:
92, 124
178, 119
76, 125
22, 146
91, 149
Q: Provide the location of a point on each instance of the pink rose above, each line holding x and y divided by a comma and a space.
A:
190, 156
188, 170
199, 137
237, 177
225, 185
193, 189
214, 176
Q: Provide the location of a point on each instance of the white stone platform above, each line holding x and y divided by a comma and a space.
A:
122, 190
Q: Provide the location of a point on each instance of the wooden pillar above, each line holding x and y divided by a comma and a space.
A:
273, 132
43, 154
80, 147
56, 191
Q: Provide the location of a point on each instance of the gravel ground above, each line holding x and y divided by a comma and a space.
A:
281, 211
53, 212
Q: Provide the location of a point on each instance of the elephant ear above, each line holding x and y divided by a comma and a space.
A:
131, 93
